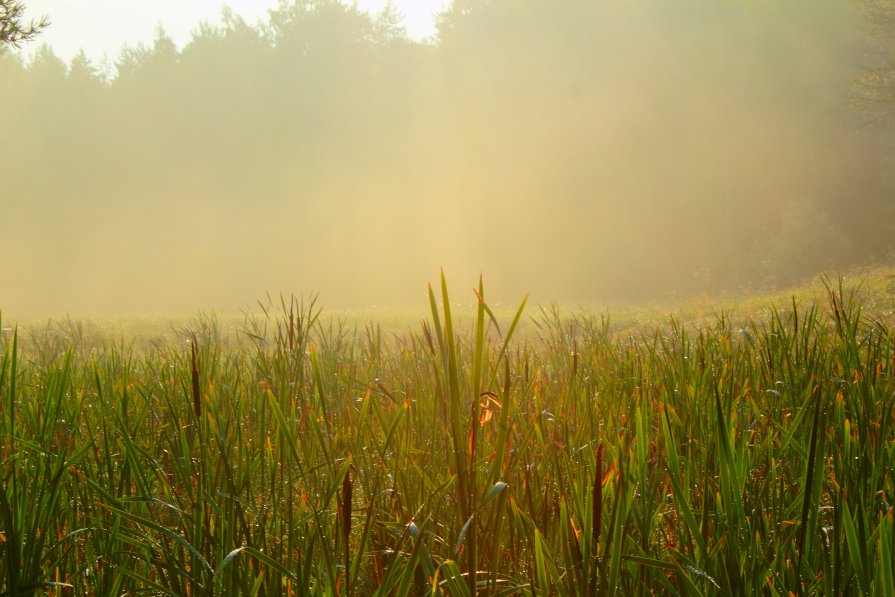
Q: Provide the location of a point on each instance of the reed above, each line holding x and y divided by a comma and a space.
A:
308, 457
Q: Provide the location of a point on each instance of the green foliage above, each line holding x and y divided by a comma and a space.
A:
803, 241
874, 93
13, 31
305, 458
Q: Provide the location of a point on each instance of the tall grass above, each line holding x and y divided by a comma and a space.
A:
323, 459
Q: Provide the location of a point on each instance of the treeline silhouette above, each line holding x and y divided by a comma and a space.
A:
586, 150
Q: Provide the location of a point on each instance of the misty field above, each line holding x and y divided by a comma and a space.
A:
302, 458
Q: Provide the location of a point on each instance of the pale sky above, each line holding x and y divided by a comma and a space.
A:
102, 27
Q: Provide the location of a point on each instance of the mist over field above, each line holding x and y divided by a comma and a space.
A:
583, 151
689, 167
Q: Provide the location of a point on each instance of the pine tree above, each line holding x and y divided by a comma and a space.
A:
13, 31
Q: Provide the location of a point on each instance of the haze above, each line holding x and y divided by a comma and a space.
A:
585, 151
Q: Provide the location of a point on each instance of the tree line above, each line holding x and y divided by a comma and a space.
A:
580, 150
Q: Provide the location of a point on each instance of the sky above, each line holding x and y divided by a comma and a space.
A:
102, 27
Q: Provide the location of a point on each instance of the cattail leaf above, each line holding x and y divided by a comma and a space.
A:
855, 550
346, 505
492, 494
597, 497
270, 562
229, 558
194, 377
166, 532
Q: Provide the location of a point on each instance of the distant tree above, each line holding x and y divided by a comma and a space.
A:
81, 70
875, 88
13, 31
388, 28
804, 241
450, 18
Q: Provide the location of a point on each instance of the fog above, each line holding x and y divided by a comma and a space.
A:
587, 152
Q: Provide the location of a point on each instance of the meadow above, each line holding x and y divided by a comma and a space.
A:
532, 452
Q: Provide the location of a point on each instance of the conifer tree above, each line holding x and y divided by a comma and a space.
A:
13, 30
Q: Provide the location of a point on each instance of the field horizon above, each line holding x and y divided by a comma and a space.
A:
875, 285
